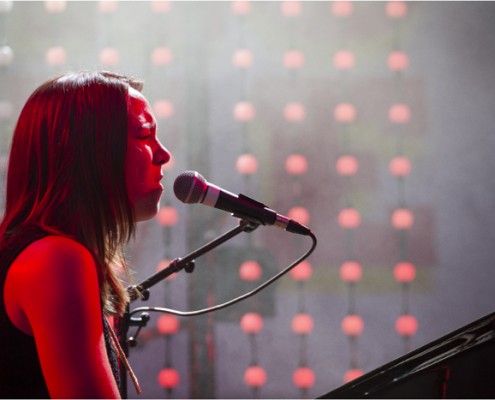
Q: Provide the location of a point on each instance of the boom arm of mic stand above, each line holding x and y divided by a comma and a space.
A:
140, 290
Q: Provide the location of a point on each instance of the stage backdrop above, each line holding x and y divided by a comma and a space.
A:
371, 122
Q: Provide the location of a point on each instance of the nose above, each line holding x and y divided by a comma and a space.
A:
161, 155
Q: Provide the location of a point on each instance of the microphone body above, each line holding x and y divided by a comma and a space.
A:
190, 187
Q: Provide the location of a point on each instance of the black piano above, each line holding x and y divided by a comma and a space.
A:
459, 365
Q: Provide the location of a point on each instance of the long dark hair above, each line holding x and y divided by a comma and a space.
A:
66, 170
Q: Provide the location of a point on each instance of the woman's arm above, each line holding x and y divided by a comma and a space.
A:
53, 293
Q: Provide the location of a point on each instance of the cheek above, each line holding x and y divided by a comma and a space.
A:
138, 160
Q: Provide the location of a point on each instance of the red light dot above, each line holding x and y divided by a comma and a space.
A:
291, 8
56, 56
299, 214
167, 216
302, 324
400, 166
107, 6
351, 271
168, 324
296, 164
163, 109
241, 7
404, 272
304, 378
242, 58
109, 56
302, 272
396, 9
399, 114
251, 323
55, 6
164, 264
345, 112
168, 378
246, 164
255, 376
244, 111
347, 165
402, 218
397, 61
250, 271
343, 59
352, 325
342, 8
352, 374
349, 218
294, 112
406, 325
161, 6
161, 56
293, 59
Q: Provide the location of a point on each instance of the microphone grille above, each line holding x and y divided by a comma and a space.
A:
190, 187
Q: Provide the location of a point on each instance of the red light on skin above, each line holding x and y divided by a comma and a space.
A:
251, 323
168, 324
250, 271
161, 6
302, 272
347, 165
302, 324
241, 7
167, 216
56, 56
294, 112
351, 271
299, 214
163, 109
342, 8
396, 9
161, 56
397, 61
402, 218
349, 218
246, 164
352, 325
352, 374
168, 378
399, 114
404, 272
109, 56
255, 376
304, 378
170, 165
344, 60
242, 58
296, 164
293, 59
291, 8
400, 166
406, 325
244, 111
345, 113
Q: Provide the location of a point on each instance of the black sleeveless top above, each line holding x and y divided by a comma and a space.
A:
20, 370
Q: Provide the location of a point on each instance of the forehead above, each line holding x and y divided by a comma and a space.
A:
139, 108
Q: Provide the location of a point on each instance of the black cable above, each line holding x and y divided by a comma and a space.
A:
235, 300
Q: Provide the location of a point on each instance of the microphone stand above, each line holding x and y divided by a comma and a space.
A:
141, 290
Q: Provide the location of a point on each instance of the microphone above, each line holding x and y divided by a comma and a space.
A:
190, 187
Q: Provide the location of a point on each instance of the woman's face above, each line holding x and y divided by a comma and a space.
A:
144, 158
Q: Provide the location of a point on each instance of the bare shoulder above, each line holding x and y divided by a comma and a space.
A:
52, 259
